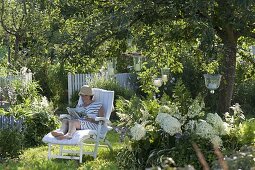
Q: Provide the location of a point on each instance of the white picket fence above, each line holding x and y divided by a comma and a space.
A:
75, 81
25, 78
5, 83
10, 122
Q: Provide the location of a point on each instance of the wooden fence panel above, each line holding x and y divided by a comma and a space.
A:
124, 80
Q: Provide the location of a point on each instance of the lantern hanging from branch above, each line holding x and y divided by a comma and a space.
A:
111, 66
165, 73
212, 81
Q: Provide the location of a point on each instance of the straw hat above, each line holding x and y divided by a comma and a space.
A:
86, 90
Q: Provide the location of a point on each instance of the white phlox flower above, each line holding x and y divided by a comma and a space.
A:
145, 114
137, 132
236, 108
35, 103
190, 126
44, 102
168, 123
229, 118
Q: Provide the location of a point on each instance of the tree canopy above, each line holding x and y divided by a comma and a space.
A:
166, 31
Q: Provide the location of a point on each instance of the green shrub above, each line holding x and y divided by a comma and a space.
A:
245, 96
74, 99
111, 84
11, 142
37, 125
39, 119
247, 129
37, 112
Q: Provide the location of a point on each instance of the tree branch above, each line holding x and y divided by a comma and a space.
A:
8, 30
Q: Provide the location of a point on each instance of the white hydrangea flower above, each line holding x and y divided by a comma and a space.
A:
168, 123
161, 116
138, 131
217, 123
204, 129
216, 141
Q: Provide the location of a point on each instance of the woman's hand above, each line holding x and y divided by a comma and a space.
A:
90, 119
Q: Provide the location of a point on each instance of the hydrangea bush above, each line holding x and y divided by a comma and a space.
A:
169, 132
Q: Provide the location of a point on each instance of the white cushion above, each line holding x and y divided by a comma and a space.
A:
78, 137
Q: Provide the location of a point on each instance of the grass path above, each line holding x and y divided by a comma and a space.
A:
36, 159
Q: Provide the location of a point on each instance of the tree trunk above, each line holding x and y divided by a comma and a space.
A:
229, 71
16, 47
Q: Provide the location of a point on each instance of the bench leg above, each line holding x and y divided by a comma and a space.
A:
81, 152
49, 151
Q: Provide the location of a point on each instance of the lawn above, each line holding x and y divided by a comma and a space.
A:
36, 158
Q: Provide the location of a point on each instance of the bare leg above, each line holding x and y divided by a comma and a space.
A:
63, 129
72, 126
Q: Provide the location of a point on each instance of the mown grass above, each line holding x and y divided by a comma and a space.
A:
36, 158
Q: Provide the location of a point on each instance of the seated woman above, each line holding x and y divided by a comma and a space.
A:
91, 108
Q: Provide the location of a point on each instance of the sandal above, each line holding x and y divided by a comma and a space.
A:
66, 136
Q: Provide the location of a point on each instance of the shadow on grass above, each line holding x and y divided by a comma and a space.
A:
36, 158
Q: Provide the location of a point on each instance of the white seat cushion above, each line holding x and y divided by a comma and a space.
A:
78, 137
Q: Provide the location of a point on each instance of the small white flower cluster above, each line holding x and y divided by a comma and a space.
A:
195, 109
41, 103
168, 123
236, 108
44, 102
172, 109
137, 132
215, 120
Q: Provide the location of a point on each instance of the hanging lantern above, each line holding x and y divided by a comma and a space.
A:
165, 72
252, 48
157, 82
137, 61
212, 81
111, 66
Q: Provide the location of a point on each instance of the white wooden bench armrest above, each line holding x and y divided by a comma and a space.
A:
102, 119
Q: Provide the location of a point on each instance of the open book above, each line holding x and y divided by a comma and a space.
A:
73, 113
